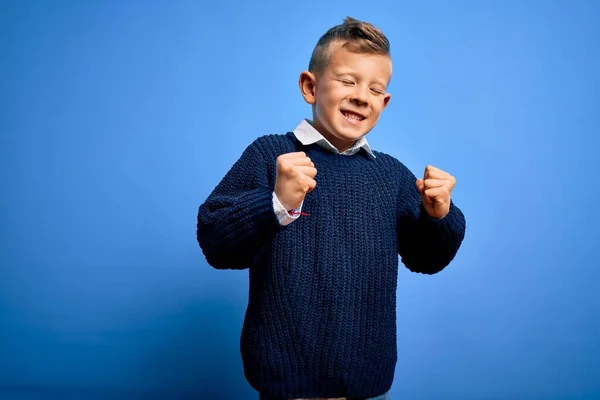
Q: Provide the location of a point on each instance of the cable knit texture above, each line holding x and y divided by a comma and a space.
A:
321, 315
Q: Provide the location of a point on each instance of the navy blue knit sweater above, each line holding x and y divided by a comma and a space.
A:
321, 315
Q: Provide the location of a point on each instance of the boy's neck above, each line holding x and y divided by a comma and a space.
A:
340, 145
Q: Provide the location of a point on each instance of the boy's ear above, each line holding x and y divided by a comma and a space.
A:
386, 99
308, 86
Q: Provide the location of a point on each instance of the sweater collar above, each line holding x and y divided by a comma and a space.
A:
307, 135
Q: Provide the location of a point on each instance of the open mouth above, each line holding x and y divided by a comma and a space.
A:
352, 117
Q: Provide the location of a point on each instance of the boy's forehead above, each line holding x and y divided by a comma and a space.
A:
340, 59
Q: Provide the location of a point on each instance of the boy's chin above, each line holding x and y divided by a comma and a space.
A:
356, 130
352, 133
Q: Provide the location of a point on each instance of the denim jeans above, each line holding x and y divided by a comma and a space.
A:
385, 396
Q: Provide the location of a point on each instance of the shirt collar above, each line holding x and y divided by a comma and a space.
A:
307, 135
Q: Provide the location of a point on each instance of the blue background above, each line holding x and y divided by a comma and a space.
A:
118, 118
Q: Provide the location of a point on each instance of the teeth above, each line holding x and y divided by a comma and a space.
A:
351, 115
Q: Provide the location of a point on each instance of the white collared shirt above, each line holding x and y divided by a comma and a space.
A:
307, 134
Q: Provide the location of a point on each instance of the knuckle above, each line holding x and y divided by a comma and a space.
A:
285, 166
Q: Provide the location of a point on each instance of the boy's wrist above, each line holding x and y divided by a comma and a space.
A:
285, 216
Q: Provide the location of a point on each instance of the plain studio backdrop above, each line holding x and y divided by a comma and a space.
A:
117, 119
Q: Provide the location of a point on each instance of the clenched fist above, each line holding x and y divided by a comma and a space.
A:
435, 189
295, 178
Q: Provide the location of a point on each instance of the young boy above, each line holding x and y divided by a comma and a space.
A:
322, 249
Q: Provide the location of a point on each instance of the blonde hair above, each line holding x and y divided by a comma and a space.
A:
355, 36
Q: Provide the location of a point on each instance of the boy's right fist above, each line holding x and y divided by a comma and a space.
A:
295, 178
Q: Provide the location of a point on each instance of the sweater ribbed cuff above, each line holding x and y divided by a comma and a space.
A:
453, 223
252, 215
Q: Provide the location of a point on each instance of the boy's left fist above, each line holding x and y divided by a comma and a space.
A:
435, 189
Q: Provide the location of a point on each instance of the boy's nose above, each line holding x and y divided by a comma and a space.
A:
360, 96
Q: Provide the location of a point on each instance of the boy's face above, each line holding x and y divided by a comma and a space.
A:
348, 96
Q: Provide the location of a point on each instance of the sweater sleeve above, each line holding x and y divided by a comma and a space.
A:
237, 218
425, 244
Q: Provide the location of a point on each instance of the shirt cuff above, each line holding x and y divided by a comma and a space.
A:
282, 214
